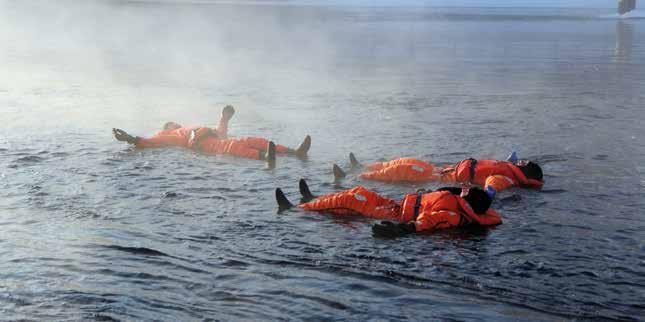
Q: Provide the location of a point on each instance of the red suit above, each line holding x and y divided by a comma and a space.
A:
499, 175
435, 210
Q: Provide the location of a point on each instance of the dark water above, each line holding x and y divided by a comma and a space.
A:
90, 229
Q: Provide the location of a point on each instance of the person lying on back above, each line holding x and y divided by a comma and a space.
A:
215, 141
173, 134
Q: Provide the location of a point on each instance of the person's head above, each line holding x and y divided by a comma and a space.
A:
478, 200
531, 170
171, 126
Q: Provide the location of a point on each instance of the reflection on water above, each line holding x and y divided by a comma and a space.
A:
624, 41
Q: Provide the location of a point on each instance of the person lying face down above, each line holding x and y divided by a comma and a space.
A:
417, 212
493, 175
215, 141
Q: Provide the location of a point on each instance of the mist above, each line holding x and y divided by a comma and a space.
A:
103, 64
92, 66
100, 63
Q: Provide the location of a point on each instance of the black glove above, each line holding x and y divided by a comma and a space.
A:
227, 112
124, 136
389, 229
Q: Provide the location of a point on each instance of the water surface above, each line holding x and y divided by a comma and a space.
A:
94, 230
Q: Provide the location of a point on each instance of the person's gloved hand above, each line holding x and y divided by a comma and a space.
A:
512, 157
491, 191
123, 136
388, 229
227, 112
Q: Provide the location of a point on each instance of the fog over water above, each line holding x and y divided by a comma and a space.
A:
92, 229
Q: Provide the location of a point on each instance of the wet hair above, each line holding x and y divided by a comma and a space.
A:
477, 198
171, 126
453, 190
531, 171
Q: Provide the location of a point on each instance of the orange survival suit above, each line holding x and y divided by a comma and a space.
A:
428, 211
246, 147
499, 175
210, 141
181, 137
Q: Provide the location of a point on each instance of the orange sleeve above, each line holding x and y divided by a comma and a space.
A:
490, 218
431, 220
499, 182
445, 219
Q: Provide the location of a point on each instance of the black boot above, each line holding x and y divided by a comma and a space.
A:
338, 172
305, 192
281, 199
270, 155
304, 147
353, 162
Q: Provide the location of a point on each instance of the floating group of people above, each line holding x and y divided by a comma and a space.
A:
423, 210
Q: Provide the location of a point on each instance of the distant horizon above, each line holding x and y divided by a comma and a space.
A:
570, 4
589, 4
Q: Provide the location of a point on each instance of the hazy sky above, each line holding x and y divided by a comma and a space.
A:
532, 3
487, 3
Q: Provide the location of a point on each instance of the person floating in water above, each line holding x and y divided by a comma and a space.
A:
493, 175
175, 135
214, 141
421, 211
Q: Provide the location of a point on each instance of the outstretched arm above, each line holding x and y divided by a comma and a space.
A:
427, 220
490, 218
222, 127
123, 136
441, 219
162, 139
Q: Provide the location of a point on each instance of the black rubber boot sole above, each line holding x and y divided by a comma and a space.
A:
304, 147
353, 161
305, 192
270, 155
338, 172
281, 199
